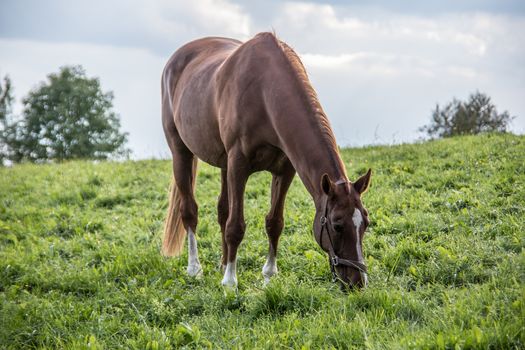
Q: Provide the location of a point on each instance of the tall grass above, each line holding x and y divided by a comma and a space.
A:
80, 265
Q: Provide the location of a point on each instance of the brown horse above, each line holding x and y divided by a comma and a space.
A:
247, 107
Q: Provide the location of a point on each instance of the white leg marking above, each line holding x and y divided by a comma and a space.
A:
364, 276
194, 266
270, 268
230, 275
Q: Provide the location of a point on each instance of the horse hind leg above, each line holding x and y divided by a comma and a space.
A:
185, 177
182, 213
194, 266
189, 210
275, 219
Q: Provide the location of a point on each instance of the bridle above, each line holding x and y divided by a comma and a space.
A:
332, 257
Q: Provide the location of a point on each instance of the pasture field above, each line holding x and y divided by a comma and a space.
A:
80, 264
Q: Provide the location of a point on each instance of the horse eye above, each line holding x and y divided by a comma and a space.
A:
338, 228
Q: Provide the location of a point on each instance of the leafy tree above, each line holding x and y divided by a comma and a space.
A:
6, 103
66, 117
6, 99
474, 116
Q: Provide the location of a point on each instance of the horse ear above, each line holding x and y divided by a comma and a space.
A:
326, 184
362, 184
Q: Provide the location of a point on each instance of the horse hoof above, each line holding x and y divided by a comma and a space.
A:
194, 270
230, 291
229, 283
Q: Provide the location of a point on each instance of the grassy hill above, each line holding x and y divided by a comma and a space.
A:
80, 264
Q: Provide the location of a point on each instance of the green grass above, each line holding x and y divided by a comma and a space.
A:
80, 264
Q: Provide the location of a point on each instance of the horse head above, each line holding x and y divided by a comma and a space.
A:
339, 228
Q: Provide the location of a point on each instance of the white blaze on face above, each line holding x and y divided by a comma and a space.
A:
357, 218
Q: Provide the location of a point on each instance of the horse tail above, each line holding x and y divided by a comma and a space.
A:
174, 230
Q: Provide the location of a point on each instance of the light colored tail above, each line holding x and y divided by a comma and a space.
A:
174, 230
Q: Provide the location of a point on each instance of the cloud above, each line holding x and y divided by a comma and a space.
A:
467, 33
378, 68
125, 43
379, 73
428, 8
215, 17
157, 25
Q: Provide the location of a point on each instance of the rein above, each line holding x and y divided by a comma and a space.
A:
333, 258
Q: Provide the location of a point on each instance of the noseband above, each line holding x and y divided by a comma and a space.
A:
333, 258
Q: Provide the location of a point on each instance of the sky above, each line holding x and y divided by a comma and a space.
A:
379, 67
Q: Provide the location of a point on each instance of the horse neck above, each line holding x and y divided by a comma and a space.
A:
307, 139
312, 158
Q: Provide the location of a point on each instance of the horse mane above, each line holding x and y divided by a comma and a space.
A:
302, 76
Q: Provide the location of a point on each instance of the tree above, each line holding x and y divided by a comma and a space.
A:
474, 116
6, 103
64, 118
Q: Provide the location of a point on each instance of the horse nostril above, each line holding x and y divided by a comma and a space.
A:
350, 287
338, 228
356, 284
346, 287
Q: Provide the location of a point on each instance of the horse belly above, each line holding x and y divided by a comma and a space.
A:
270, 158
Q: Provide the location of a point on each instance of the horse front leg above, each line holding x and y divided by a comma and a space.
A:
275, 218
222, 211
237, 175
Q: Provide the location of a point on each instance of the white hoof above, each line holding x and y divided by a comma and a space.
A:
269, 269
229, 282
230, 275
266, 281
194, 270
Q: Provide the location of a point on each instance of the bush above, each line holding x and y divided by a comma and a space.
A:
474, 116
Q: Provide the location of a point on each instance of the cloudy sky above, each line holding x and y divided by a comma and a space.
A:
379, 67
